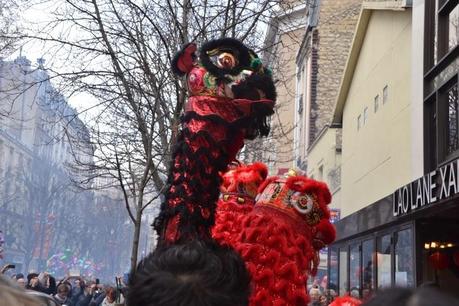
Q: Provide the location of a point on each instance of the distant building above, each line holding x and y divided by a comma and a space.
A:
320, 64
112, 227
283, 38
40, 134
115, 227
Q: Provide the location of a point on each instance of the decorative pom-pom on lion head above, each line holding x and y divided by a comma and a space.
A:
243, 180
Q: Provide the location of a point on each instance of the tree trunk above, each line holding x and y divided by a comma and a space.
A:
136, 238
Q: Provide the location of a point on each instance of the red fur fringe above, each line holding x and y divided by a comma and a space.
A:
229, 212
346, 301
326, 232
277, 257
245, 174
304, 184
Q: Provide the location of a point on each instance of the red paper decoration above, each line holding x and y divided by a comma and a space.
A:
439, 261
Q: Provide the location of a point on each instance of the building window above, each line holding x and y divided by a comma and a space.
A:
384, 264
442, 30
359, 122
441, 118
343, 276
300, 104
367, 267
365, 115
441, 128
448, 27
453, 28
385, 94
404, 276
453, 119
354, 273
376, 103
321, 173
430, 135
333, 277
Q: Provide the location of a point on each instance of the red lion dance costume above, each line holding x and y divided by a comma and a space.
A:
278, 224
279, 237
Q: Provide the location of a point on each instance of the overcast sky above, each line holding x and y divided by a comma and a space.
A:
38, 15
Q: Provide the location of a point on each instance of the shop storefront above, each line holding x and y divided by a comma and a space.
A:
411, 237
406, 239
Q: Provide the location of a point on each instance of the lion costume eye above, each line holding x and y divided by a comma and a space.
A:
303, 203
224, 60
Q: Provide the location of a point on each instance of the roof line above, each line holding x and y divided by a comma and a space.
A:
321, 134
351, 62
359, 36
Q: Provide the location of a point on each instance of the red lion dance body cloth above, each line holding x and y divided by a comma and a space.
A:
277, 225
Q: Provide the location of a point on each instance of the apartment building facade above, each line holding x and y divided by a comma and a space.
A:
39, 135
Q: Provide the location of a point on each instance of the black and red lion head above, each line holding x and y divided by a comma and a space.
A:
226, 69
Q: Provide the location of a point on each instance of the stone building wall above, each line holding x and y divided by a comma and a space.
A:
332, 37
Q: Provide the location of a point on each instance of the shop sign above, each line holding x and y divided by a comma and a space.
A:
335, 215
437, 185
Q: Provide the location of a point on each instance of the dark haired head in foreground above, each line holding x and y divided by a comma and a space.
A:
422, 296
190, 274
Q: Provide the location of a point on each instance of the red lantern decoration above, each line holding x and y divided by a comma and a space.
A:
439, 261
456, 258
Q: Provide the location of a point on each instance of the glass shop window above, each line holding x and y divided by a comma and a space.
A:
404, 274
384, 264
343, 284
355, 271
333, 280
367, 267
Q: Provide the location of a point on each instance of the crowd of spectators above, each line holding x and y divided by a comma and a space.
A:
71, 290
425, 295
17, 289
320, 296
